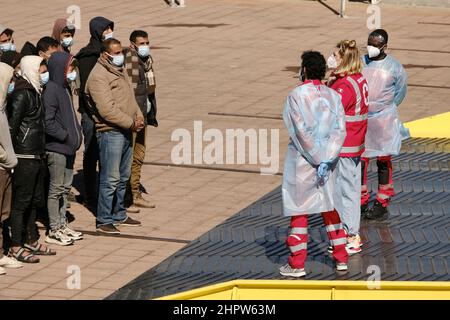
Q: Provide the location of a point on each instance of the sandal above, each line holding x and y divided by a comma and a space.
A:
37, 250
19, 255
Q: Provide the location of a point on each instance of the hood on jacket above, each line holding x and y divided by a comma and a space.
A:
11, 58
30, 71
6, 73
29, 49
59, 26
57, 67
96, 27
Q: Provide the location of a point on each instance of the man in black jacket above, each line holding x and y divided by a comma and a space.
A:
100, 29
26, 121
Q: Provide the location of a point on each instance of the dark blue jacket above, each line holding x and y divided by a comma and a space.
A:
63, 131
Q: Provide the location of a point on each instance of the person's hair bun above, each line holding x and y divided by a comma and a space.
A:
352, 44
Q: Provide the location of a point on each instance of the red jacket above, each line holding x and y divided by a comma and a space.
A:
354, 93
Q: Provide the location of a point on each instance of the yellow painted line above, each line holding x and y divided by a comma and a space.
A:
317, 290
437, 126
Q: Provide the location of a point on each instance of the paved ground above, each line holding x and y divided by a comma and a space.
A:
229, 57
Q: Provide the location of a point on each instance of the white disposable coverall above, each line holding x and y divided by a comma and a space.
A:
315, 119
387, 88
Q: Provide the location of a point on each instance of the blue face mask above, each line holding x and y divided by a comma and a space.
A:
71, 76
117, 60
11, 88
67, 42
144, 51
44, 78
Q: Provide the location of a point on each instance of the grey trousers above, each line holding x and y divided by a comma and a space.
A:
347, 197
60, 169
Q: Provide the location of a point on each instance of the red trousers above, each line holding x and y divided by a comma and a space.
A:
298, 238
385, 182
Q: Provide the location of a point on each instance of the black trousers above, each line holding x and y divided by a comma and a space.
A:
90, 160
28, 195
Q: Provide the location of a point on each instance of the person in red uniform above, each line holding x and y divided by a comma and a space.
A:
351, 85
315, 119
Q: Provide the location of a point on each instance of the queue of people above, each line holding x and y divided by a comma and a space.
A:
335, 126
41, 133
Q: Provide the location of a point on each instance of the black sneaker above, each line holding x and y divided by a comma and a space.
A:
364, 210
129, 223
377, 212
108, 228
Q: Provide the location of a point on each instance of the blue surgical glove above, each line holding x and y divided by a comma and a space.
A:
323, 172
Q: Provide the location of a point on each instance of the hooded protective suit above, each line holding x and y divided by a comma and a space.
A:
315, 119
387, 88
8, 158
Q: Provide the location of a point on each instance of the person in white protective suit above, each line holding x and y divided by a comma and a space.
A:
387, 82
315, 119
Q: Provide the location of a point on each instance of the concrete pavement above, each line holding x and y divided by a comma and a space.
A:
231, 56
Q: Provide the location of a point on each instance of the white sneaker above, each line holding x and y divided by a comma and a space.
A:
72, 234
353, 245
59, 238
342, 266
288, 271
10, 262
2, 271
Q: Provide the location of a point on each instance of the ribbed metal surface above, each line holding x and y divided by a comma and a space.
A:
413, 244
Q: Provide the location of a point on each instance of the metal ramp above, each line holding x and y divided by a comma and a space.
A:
411, 245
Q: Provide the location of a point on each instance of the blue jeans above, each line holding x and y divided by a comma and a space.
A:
116, 152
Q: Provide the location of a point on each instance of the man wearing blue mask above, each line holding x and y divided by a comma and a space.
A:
27, 127
387, 82
63, 138
63, 32
100, 29
139, 66
6, 40
117, 116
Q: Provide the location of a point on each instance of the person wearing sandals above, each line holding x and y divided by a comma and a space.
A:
8, 161
26, 121
63, 139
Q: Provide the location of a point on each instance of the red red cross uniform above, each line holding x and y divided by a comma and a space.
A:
298, 238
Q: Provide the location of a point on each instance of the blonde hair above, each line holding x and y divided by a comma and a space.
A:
351, 60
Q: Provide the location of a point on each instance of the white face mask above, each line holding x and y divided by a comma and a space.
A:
109, 35
144, 51
67, 42
71, 76
117, 60
331, 62
8, 46
373, 51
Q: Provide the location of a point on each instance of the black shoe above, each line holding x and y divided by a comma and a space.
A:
108, 228
377, 212
129, 223
364, 210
